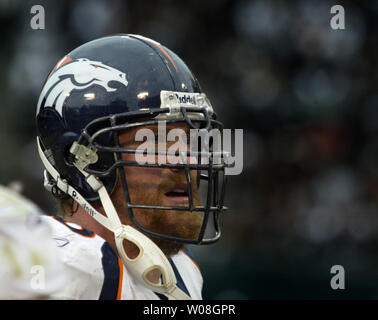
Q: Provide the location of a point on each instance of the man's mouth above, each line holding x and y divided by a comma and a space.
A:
178, 194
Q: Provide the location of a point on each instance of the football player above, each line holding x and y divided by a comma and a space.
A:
29, 264
123, 223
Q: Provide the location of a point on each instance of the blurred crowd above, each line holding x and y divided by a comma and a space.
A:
305, 96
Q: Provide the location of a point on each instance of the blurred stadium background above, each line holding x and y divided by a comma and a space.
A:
305, 95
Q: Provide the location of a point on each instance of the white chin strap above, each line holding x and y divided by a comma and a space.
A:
149, 258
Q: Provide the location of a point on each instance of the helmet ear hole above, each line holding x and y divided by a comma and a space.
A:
69, 158
64, 143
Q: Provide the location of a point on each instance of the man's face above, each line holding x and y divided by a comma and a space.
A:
160, 187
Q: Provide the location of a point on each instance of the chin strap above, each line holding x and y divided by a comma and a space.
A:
149, 258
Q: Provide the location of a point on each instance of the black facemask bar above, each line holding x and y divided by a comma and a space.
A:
196, 118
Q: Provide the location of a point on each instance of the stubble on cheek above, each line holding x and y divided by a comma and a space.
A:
176, 223
145, 189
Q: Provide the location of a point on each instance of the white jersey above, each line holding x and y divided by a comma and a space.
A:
29, 263
95, 271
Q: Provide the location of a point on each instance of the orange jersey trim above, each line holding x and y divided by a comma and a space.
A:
120, 280
76, 231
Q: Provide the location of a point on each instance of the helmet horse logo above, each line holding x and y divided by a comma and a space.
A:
78, 74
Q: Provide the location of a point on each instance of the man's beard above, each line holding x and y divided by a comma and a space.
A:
177, 223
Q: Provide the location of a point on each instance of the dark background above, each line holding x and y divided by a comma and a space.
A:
305, 96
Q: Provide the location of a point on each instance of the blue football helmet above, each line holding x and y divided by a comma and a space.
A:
109, 85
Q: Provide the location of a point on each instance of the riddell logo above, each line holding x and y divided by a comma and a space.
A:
186, 99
